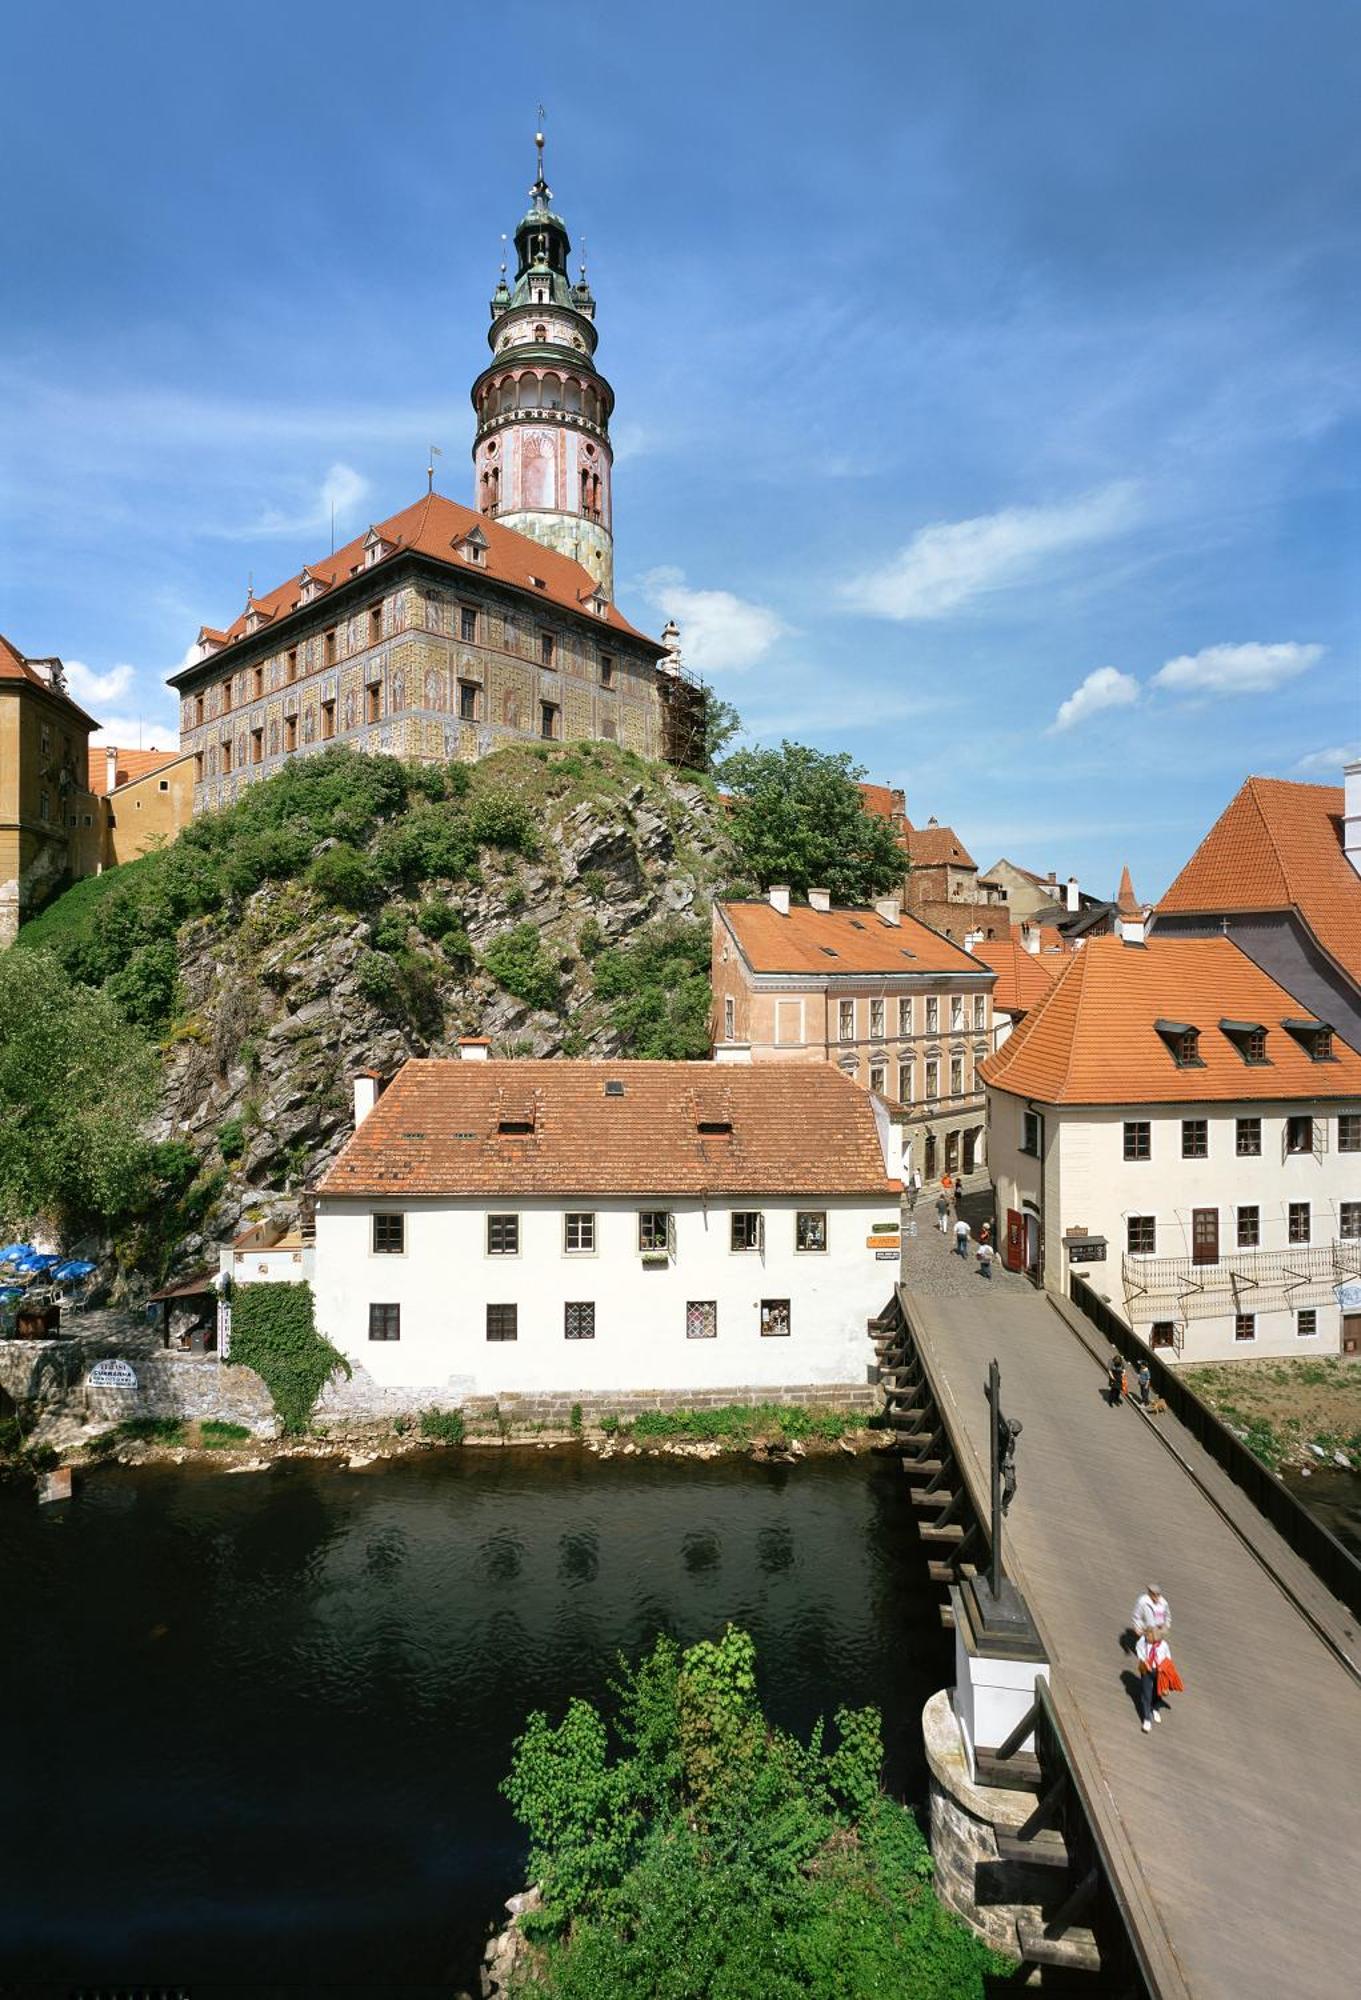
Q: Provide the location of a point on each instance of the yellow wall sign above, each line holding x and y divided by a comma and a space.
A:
881, 1242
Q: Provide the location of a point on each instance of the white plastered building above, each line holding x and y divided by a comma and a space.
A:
539, 1228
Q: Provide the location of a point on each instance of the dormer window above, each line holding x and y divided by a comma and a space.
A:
714, 1128
1182, 1041
1314, 1037
310, 587
375, 548
1249, 1038
473, 546
515, 1128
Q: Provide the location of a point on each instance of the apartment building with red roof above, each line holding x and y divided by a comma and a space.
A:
902, 1011
1172, 1124
597, 1229
1279, 872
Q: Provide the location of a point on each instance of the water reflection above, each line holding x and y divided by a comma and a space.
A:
294, 1694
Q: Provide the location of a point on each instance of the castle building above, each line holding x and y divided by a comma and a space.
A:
449, 631
50, 829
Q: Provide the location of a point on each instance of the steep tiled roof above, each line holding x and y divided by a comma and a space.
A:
432, 527
933, 846
131, 764
1092, 1039
16, 666
1126, 902
836, 942
1023, 977
796, 1129
884, 801
1277, 846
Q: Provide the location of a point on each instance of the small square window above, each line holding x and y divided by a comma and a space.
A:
1163, 1334
654, 1230
1141, 1235
1306, 1323
1249, 1228
1138, 1139
389, 1235
701, 1319
1349, 1132
1349, 1220
1299, 1134
810, 1229
385, 1322
503, 1322
578, 1319
1195, 1139
1245, 1326
503, 1235
1248, 1138
774, 1319
578, 1235
1297, 1222
746, 1230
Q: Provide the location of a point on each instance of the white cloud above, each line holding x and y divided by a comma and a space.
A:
720, 633
89, 687
138, 732
1322, 761
1249, 669
1104, 687
949, 564
342, 489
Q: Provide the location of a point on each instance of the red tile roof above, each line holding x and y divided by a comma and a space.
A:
1126, 902
835, 943
131, 764
883, 801
934, 846
16, 666
1092, 1039
796, 1129
435, 527
1278, 846
1023, 977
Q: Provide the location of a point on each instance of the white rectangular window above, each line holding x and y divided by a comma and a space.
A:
932, 1014
877, 1027
905, 1015
905, 1085
503, 1235
774, 1319
701, 1319
846, 1020
746, 1229
578, 1234
810, 1230
654, 1231
578, 1319
956, 1013
879, 1079
956, 1076
932, 1078
389, 1235
980, 1010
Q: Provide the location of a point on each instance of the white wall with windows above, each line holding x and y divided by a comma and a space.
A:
1191, 1197
497, 1296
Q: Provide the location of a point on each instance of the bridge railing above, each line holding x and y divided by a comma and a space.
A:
1331, 1562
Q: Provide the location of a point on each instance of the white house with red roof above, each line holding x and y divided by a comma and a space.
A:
1172, 1125
594, 1228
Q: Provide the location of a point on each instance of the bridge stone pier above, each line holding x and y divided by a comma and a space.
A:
1214, 1857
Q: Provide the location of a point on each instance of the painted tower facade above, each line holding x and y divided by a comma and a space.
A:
541, 455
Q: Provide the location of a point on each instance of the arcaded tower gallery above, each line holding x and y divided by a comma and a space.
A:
542, 452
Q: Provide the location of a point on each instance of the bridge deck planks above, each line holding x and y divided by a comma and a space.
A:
1244, 1804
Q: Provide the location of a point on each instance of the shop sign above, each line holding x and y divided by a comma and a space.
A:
1087, 1250
112, 1375
1348, 1295
881, 1242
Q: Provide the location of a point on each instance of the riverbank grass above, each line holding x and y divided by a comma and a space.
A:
686, 1849
1280, 1408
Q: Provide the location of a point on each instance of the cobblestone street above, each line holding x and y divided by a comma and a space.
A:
930, 1263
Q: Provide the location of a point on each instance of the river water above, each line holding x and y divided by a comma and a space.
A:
255, 1723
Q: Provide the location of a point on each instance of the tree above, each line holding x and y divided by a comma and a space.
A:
77, 1083
721, 724
798, 818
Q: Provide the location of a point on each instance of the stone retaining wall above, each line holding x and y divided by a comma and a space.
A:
627, 1403
965, 1821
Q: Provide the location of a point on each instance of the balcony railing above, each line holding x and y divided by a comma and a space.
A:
1303, 1274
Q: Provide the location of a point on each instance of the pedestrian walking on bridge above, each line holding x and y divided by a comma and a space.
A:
961, 1238
943, 1212
1117, 1380
986, 1253
1152, 1613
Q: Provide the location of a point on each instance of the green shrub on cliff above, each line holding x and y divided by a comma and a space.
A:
274, 1331
686, 1849
659, 987
518, 961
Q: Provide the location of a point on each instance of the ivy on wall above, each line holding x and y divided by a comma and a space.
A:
274, 1331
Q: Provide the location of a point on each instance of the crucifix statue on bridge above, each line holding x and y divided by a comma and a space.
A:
1005, 1431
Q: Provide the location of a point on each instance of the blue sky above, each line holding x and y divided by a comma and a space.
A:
988, 377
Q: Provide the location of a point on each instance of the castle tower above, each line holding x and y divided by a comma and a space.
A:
541, 456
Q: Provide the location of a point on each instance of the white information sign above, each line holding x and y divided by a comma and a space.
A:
1348, 1295
112, 1375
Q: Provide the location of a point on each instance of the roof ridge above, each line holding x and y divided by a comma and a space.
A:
1251, 788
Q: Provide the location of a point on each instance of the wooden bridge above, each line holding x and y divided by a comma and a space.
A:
1219, 1855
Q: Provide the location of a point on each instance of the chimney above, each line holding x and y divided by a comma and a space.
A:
1132, 929
890, 908
732, 1052
1351, 811
972, 938
473, 1048
820, 899
365, 1094
110, 767
1072, 898
1030, 939
779, 897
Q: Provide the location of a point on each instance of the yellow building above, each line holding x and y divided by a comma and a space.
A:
146, 799
50, 825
